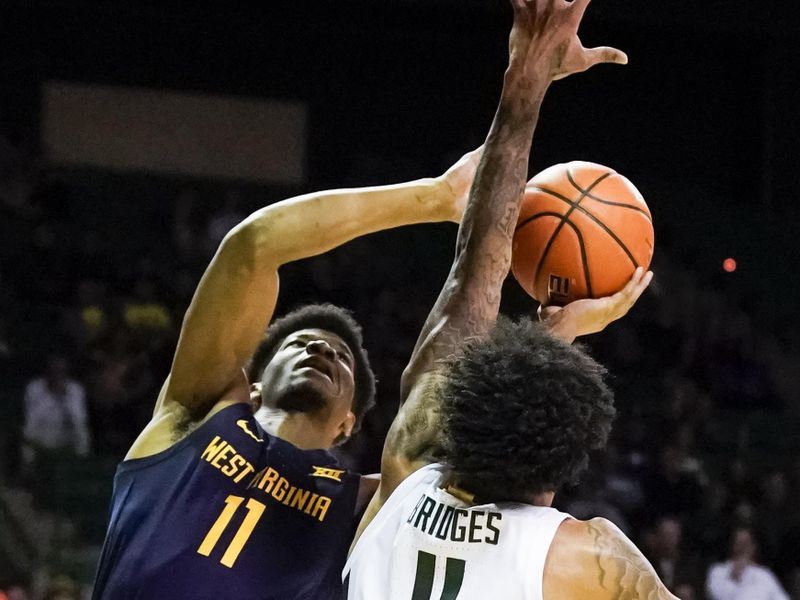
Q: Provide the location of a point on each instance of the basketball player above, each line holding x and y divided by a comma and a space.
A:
512, 409
219, 498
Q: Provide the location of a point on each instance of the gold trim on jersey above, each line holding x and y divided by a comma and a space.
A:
335, 474
242, 423
459, 493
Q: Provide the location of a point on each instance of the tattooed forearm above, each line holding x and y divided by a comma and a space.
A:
621, 569
415, 435
470, 299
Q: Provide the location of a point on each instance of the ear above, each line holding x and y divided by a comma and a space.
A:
347, 425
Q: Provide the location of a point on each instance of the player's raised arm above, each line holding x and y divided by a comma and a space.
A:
543, 46
236, 296
594, 559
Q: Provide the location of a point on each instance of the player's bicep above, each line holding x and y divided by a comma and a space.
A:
223, 325
413, 439
595, 559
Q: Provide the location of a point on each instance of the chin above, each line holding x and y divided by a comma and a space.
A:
303, 396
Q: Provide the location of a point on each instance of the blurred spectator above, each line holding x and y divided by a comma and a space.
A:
144, 314
671, 561
55, 412
62, 588
623, 485
593, 501
86, 321
771, 515
710, 525
740, 578
740, 481
686, 591
16, 592
672, 488
120, 382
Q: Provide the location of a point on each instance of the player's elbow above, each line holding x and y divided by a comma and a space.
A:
407, 380
248, 244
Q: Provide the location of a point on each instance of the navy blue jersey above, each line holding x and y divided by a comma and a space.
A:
228, 512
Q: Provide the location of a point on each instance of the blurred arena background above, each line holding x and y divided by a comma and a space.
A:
134, 134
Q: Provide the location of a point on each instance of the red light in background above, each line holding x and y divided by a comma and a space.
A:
729, 265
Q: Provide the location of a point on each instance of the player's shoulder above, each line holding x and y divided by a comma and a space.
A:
587, 558
764, 573
35, 385
576, 538
171, 428
719, 567
576, 531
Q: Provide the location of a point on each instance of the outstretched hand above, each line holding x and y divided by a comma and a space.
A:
459, 179
545, 37
583, 317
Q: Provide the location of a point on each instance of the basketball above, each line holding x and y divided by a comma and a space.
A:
583, 229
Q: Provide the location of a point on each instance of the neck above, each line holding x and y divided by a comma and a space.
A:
294, 427
542, 499
57, 386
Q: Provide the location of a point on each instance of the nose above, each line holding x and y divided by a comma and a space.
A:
321, 347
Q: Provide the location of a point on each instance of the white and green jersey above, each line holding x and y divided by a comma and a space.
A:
426, 544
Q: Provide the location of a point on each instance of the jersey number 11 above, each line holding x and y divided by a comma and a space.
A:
254, 511
423, 582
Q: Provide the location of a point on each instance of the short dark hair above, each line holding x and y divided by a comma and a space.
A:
521, 410
329, 318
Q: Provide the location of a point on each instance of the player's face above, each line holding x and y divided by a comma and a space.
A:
312, 372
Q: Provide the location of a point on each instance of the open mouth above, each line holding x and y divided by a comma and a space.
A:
318, 364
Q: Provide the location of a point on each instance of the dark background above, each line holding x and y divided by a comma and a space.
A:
703, 119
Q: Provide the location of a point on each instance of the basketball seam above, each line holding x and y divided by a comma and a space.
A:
620, 204
584, 257
564, 219
602, 225
603, 201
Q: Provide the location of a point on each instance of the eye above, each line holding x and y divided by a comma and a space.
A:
345, 358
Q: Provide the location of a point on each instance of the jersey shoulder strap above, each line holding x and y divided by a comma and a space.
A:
421, 478
539, 527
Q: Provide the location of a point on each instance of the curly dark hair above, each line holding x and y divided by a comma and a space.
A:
521, 410
329, 318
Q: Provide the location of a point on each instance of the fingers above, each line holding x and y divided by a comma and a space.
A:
545, 312
605, 54
255, 392
627, 297
579, 9
641, 285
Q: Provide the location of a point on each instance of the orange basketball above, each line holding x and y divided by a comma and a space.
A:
582, 231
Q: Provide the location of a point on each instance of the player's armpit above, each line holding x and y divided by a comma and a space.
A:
367, 487
412, 440
594, 559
